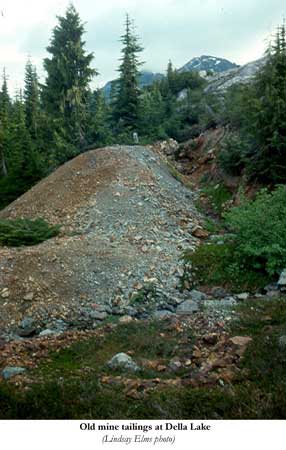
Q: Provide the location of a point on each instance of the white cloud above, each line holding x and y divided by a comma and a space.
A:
176, 29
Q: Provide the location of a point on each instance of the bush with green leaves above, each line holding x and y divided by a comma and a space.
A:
214, 264
260, 228
20, 232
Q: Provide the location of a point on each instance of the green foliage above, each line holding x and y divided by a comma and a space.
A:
152, 113
212, 226
20, 232
232, 154
32, 101
260, 227
23, 163
218, 195
99, 132
126, 101
258, 113
180, 115
250, 257
147, 294
222, 265
5, 104
65, 93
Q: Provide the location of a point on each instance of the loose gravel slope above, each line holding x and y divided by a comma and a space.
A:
125, 222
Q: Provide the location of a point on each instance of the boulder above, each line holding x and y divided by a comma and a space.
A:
188, 307
243, 296
219, 292
198, 232
282, 279
48, 332
175, 364
123, 361
29, 296
9, 372
162, 314
241, 341
5, 293
197, 296
27, 327
125, 319
98, 315
271, 288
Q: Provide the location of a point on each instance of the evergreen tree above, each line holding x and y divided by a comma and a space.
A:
99, 131
126, 106
171, 77
266, 115
32, 100
5, 104
24, 166
152, 113
65, 93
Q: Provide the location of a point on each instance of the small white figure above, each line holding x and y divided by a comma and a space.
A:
135, 138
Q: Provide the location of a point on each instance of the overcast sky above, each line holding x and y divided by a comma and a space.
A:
169, 29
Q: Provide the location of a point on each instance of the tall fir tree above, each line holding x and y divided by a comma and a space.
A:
267, 114
5, 105
32, 100
65, 93
152, 113
24, 167
99, 131
126, 106
171, 76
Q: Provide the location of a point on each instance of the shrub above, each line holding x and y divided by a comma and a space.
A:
19, 232
260, 227
221, 265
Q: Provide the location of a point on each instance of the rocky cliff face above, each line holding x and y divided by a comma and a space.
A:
244, 74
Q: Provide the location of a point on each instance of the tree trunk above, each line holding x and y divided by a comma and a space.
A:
3, 165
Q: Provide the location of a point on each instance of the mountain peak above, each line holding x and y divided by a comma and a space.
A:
207, 63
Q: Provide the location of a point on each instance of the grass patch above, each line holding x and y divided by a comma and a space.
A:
146, 340
69, 394
22, 232
221, 265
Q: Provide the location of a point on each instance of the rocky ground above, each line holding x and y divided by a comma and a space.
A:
103, 306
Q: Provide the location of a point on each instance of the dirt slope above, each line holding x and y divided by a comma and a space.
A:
125, 221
